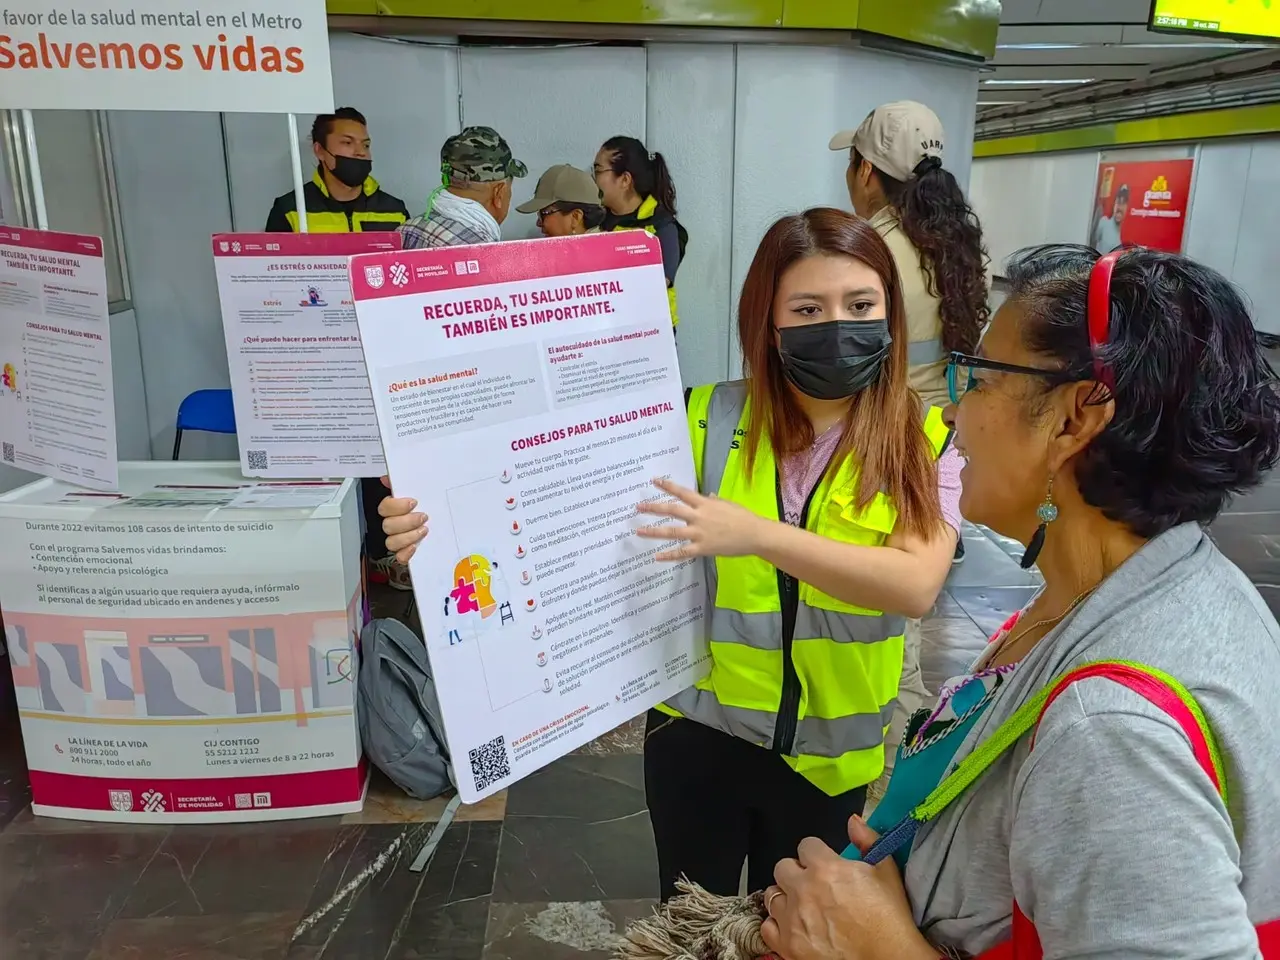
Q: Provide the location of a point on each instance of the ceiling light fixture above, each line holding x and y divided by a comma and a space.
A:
1037, 83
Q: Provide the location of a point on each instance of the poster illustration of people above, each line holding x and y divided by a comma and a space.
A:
1141, 203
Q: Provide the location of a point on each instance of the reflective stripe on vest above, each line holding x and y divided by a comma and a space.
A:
848, 658
920, 352
321, 221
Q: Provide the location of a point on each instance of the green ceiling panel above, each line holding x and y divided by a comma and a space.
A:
959, 26
699, 13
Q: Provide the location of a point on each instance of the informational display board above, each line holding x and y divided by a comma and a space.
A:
303, 407
1142, 202
57, 398
271, 56
528, 393
184, 650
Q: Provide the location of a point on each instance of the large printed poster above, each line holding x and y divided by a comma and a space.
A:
57, 396
1142, 203
528, 393
303, 407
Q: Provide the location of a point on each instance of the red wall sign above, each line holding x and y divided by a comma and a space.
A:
1143, 203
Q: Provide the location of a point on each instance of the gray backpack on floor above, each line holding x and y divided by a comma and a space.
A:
399, 712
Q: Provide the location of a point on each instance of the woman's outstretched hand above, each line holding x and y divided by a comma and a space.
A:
404, 528
712, 527
824, 907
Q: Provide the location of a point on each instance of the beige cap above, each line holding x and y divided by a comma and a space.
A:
895, 138
562, 184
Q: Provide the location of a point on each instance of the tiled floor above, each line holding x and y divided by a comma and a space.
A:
552, 870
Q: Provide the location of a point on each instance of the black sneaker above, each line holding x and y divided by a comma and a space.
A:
959, 551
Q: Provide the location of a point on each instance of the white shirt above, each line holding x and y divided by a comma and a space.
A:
1106, 235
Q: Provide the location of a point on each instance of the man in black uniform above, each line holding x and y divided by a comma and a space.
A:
341, 196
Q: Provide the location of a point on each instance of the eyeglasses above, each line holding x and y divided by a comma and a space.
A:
1097, 319
967, 363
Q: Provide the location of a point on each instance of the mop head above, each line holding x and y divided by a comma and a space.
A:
697, 925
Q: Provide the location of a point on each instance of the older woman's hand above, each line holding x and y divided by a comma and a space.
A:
825, 907
404, 528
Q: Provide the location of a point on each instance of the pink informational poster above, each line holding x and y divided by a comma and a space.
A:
302, 401
57, 398
528, 393
185, 650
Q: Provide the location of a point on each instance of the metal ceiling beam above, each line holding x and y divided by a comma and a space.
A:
1243, 80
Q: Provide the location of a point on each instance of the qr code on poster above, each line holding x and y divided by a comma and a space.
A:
257, 459
9, 455
489, 763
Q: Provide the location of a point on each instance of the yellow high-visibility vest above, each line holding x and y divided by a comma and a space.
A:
826, 711
644, 219
382, 212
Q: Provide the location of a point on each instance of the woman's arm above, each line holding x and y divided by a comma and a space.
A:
1120, 844
903, 576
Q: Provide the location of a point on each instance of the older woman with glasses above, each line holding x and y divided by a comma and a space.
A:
567, 202
1104, 780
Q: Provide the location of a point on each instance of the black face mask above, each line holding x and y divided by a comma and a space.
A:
351, 170
835, 359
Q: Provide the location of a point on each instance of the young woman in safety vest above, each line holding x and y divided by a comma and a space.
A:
638, 194
831, 520
820, 501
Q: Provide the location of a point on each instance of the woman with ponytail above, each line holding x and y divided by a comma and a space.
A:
896, 181
638, 194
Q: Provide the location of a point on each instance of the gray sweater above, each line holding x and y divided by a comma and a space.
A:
1109, 834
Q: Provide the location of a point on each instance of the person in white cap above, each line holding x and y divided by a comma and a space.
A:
567, 202
897, 181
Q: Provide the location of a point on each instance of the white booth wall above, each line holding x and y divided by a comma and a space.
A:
1231, 222
744, 129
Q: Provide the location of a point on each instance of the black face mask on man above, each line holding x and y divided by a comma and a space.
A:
835, 359
351, 170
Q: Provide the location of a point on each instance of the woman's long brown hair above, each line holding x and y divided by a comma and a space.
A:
885, 425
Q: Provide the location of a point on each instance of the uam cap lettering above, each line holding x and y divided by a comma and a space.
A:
896, 138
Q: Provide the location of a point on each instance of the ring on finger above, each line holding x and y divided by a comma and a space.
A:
768, 901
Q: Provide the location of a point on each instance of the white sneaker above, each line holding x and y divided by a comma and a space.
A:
391, 571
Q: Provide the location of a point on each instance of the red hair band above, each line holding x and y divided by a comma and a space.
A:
1099, 314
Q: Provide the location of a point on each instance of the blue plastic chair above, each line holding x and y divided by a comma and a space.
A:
209, 410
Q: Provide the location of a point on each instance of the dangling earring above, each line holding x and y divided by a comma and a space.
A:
1046, 513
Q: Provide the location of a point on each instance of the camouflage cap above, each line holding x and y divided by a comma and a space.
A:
480, 155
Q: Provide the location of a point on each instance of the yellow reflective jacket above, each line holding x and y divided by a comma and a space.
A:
794, 669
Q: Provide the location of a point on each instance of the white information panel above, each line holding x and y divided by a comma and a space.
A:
268, 57
57, 398
185, 649
303, 407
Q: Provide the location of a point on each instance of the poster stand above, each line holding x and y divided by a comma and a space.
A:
295, 156
33, 165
